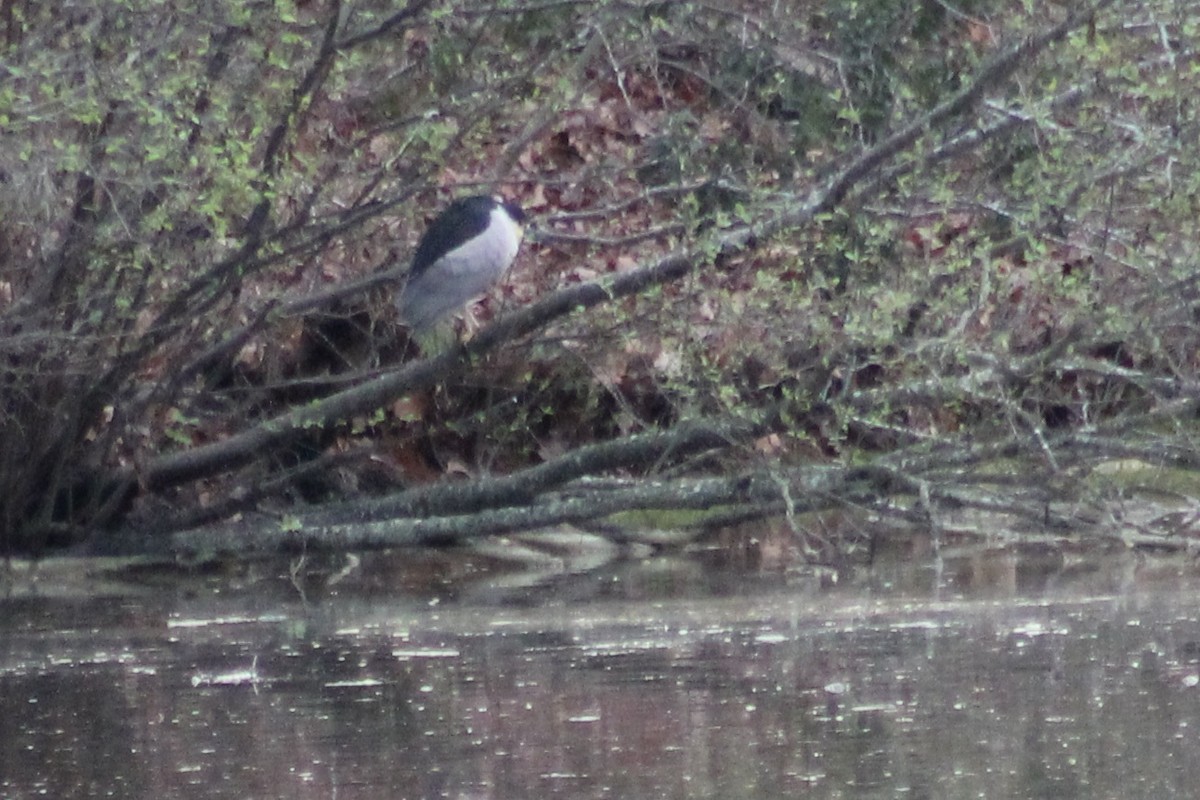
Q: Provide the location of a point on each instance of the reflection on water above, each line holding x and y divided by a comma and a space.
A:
663, 679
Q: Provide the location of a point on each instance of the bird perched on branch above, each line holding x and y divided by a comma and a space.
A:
465, 250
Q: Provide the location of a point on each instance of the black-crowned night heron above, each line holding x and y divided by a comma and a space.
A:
463, 253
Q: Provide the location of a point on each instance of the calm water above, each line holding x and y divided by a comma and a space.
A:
424, 677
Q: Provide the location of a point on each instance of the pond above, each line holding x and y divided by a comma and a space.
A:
429, 675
